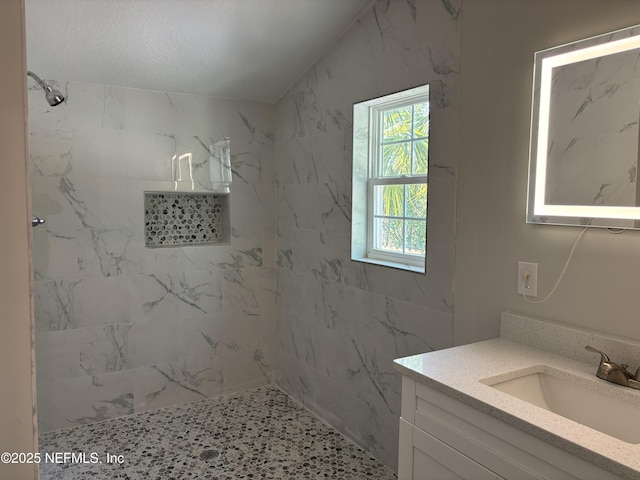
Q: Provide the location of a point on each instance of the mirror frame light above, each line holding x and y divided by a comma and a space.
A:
545, 61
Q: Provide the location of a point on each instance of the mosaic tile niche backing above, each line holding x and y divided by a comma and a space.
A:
178, 218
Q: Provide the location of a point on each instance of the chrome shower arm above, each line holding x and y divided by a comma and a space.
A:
38, 79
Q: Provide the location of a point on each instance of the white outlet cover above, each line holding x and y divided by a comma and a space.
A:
532, 289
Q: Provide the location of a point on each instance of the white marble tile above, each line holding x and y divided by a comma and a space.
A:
298, 249
249, 289
311, 119
340, 323
206, 339
54, 305
154, 342
402, 285
294, 339
123, 154
50, 153
297, 206
166, 384
78, 401
57, 355
404, 328
81, 301
104, 302
368, 404
104, 349
353, 411
293, 378
302, 293
97, 203
308, 160
332, 154
158, 261
175, 295
92, 214
51, 204
101, 300
190, 114
247, 369
62, 255
252, 205
334, 206
245, 251
252, 156
285, 124
347, 310
443, 153
269, 247
143, 111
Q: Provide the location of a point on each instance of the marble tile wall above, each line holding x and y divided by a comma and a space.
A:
121, 328
341, 323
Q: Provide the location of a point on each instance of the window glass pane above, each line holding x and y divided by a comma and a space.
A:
421, 157
391, 141
389, 200
416, 206
416, 237
388, 234
421, 120
396, 160
396, 124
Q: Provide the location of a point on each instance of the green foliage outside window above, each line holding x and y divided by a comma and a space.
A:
401, 212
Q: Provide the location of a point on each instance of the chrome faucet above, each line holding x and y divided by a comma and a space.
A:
614, 373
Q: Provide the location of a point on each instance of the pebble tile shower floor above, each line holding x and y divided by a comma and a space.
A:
257, 434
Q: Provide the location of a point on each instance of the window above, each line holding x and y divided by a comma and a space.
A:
390, 179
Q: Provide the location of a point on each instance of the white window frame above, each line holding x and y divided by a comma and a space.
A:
366, 251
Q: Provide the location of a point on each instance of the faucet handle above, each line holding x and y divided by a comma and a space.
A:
612, 372
604, 357
607, 370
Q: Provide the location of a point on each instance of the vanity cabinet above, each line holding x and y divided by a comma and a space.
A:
443, 438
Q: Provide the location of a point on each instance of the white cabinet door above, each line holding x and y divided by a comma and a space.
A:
423, 457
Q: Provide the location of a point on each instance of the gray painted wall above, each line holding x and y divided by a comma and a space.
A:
600, 288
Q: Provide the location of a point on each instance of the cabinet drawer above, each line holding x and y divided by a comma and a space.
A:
431, 459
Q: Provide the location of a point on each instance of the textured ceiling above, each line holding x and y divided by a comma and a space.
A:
240, 49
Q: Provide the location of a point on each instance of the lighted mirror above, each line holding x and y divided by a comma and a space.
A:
584, 133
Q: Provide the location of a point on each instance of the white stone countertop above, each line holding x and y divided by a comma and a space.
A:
460, 371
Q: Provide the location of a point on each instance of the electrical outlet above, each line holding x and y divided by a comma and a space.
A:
528, 279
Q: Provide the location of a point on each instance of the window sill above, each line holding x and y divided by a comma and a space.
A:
382, 263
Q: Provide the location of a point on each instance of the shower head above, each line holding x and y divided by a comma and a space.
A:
53, 96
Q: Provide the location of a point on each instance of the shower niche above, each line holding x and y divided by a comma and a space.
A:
173, 219
194, 211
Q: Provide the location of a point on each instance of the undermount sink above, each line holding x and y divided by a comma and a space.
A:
584, 405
